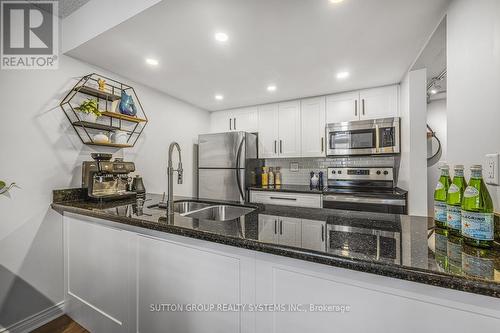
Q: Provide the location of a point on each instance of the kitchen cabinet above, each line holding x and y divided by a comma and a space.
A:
342, 107
241, 119
289, 129
280, 230
97, 275
313, 123
381, 102
314, 235
365, 302
268, 131
311, 200
279, 130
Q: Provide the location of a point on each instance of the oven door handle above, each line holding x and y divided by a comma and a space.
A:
364, 200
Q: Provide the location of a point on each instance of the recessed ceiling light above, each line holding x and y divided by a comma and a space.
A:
219, 97
221, 37
433, 91
342, 75
152, 62
336, 1
271, 88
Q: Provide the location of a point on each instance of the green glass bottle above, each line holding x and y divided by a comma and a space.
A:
440, 195
477, 211
454, 201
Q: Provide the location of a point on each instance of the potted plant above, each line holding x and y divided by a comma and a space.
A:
89, 110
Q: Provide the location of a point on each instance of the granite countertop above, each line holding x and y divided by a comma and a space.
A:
404, 247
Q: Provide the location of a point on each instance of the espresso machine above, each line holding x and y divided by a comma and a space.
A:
105, 179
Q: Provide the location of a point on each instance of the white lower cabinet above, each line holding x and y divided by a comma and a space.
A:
313, 235
97, 267
287, 199
376, 303
130, 281
280, 230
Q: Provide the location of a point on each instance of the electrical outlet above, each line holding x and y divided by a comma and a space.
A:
491, 171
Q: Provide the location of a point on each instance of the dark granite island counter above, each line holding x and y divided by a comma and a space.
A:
406, 248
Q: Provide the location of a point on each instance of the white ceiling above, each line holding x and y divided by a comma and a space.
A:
66, 7
298, 45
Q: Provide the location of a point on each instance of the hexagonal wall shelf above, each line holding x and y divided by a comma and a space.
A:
121, 119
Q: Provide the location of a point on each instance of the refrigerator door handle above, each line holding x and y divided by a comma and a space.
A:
237, 170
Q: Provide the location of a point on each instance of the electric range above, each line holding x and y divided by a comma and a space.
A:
364, 189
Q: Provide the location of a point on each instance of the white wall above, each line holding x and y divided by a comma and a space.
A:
413, 166
40, 151
473, 44
436, 118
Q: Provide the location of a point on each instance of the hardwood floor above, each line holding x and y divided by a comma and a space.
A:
63, 324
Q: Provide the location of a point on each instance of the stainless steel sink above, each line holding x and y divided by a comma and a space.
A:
220, 213
183, 207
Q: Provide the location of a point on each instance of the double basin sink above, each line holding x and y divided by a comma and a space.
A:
210, 211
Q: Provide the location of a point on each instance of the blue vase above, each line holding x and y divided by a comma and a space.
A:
127, 105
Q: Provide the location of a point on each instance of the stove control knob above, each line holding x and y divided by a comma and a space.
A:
378, 172
386, 172
340, 172
333, 172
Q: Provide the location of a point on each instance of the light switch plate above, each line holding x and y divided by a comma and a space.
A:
491, 170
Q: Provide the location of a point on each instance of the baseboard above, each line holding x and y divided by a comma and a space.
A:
36, 320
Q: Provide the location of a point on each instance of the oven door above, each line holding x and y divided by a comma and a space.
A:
363, 243
364, 204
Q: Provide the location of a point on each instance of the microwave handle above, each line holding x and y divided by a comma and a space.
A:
377, 138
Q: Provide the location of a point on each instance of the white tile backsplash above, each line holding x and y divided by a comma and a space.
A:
306, 165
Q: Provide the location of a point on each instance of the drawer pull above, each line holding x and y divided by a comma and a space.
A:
282, 198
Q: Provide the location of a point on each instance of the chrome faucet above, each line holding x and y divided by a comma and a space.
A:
170, 171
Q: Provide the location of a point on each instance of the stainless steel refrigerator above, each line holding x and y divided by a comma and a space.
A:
225, 165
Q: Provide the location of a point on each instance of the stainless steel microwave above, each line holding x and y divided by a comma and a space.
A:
364, 137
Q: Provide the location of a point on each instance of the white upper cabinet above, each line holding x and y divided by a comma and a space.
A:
242, 119
313, 121
268, 131
379, 102
342, 107
289, 129
372, 103
245, 119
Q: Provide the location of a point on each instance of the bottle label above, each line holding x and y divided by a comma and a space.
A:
439, 186
470, 192
454, 219
440, 211
453, 189
477, 225
479, 267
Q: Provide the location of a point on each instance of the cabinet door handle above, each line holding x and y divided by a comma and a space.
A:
281, 227
363, 106
230, 124
275, 226
356, 108
283, 198
234, 123
322, 233
322, 144
281, 147
275, 151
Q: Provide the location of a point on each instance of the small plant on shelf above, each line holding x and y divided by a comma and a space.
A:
89, 110
4, 188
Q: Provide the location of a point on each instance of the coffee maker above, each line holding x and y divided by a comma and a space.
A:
105, 179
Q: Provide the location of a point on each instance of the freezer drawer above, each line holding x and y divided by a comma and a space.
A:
221, 184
